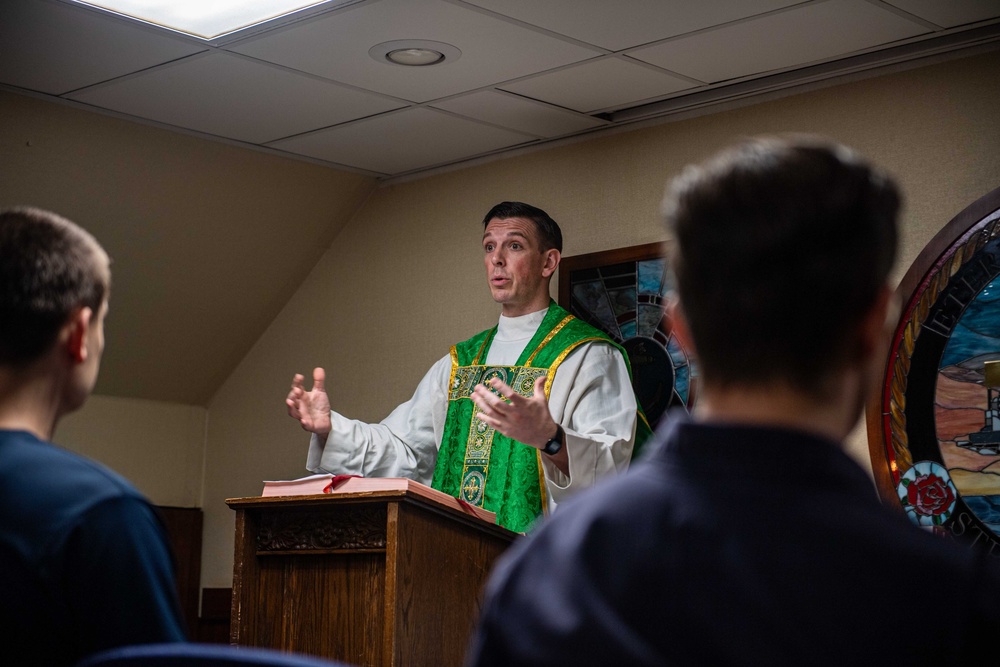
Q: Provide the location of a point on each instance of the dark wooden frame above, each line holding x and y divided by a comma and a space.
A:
928, 263
636, 253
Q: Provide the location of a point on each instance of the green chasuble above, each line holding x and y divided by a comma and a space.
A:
483, 467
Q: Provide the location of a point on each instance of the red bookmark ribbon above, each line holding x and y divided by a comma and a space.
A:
336, 481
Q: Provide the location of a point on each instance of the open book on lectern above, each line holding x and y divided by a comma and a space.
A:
326, 483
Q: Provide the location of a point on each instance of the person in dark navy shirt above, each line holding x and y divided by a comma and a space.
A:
84, 561
747, 536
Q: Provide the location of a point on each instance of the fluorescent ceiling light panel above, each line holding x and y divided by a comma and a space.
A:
206, 19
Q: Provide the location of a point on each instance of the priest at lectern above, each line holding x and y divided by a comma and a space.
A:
515, 419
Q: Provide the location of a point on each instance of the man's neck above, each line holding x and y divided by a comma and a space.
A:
519, 310
525, 314
28, 405
832, 416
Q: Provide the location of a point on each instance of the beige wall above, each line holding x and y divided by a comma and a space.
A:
159, 446
176, 213
403, 279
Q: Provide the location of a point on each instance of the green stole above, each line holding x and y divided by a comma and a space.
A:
483, 467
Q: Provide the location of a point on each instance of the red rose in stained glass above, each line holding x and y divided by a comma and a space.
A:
930, 495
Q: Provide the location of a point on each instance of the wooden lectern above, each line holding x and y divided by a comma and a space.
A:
368, 578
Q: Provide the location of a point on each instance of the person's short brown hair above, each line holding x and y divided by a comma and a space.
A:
549, 234
49, 267
782, 247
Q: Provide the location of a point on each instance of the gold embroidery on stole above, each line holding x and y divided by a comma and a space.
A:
522, 378
480, 441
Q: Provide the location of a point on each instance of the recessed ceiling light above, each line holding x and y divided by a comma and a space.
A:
415, 57
414, 52
208, 20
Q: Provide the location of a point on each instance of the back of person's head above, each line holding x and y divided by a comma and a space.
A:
49, 268
781, 249
548, 231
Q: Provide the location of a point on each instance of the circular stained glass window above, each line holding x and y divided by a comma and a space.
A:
621, 292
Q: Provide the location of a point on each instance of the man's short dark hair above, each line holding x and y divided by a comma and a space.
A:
48, 268
548, 231
782, 247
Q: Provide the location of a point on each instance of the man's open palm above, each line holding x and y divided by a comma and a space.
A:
310, 408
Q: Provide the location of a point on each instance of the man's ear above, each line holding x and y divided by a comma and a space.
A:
679, 325
552, 257
75, 334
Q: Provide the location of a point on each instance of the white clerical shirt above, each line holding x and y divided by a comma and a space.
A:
591, 398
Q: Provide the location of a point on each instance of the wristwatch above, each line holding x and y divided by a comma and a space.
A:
553, 446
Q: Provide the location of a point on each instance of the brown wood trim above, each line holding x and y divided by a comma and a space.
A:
320, 502
216, 603
244, 572
184, 530
636, 253
392, 587
214, 623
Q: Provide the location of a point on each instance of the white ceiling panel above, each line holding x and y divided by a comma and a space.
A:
952, 13
53, 48
627, 23
402, 141
802, 35
538, 69
518, 113
598, 84
336, 46
235, 97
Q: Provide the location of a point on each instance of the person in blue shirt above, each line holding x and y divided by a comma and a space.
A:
84, 560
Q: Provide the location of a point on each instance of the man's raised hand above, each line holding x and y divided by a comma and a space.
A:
310, 408
524, 419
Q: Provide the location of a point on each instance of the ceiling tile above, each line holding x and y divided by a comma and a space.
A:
53, 48
605, 83
335, 46
806, 34
519, 113
399, 142
234, 97
626, 23
952, 13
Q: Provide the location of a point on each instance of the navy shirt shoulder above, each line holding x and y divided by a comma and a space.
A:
84, 560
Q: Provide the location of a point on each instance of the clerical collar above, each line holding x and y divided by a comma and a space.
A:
517, 328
